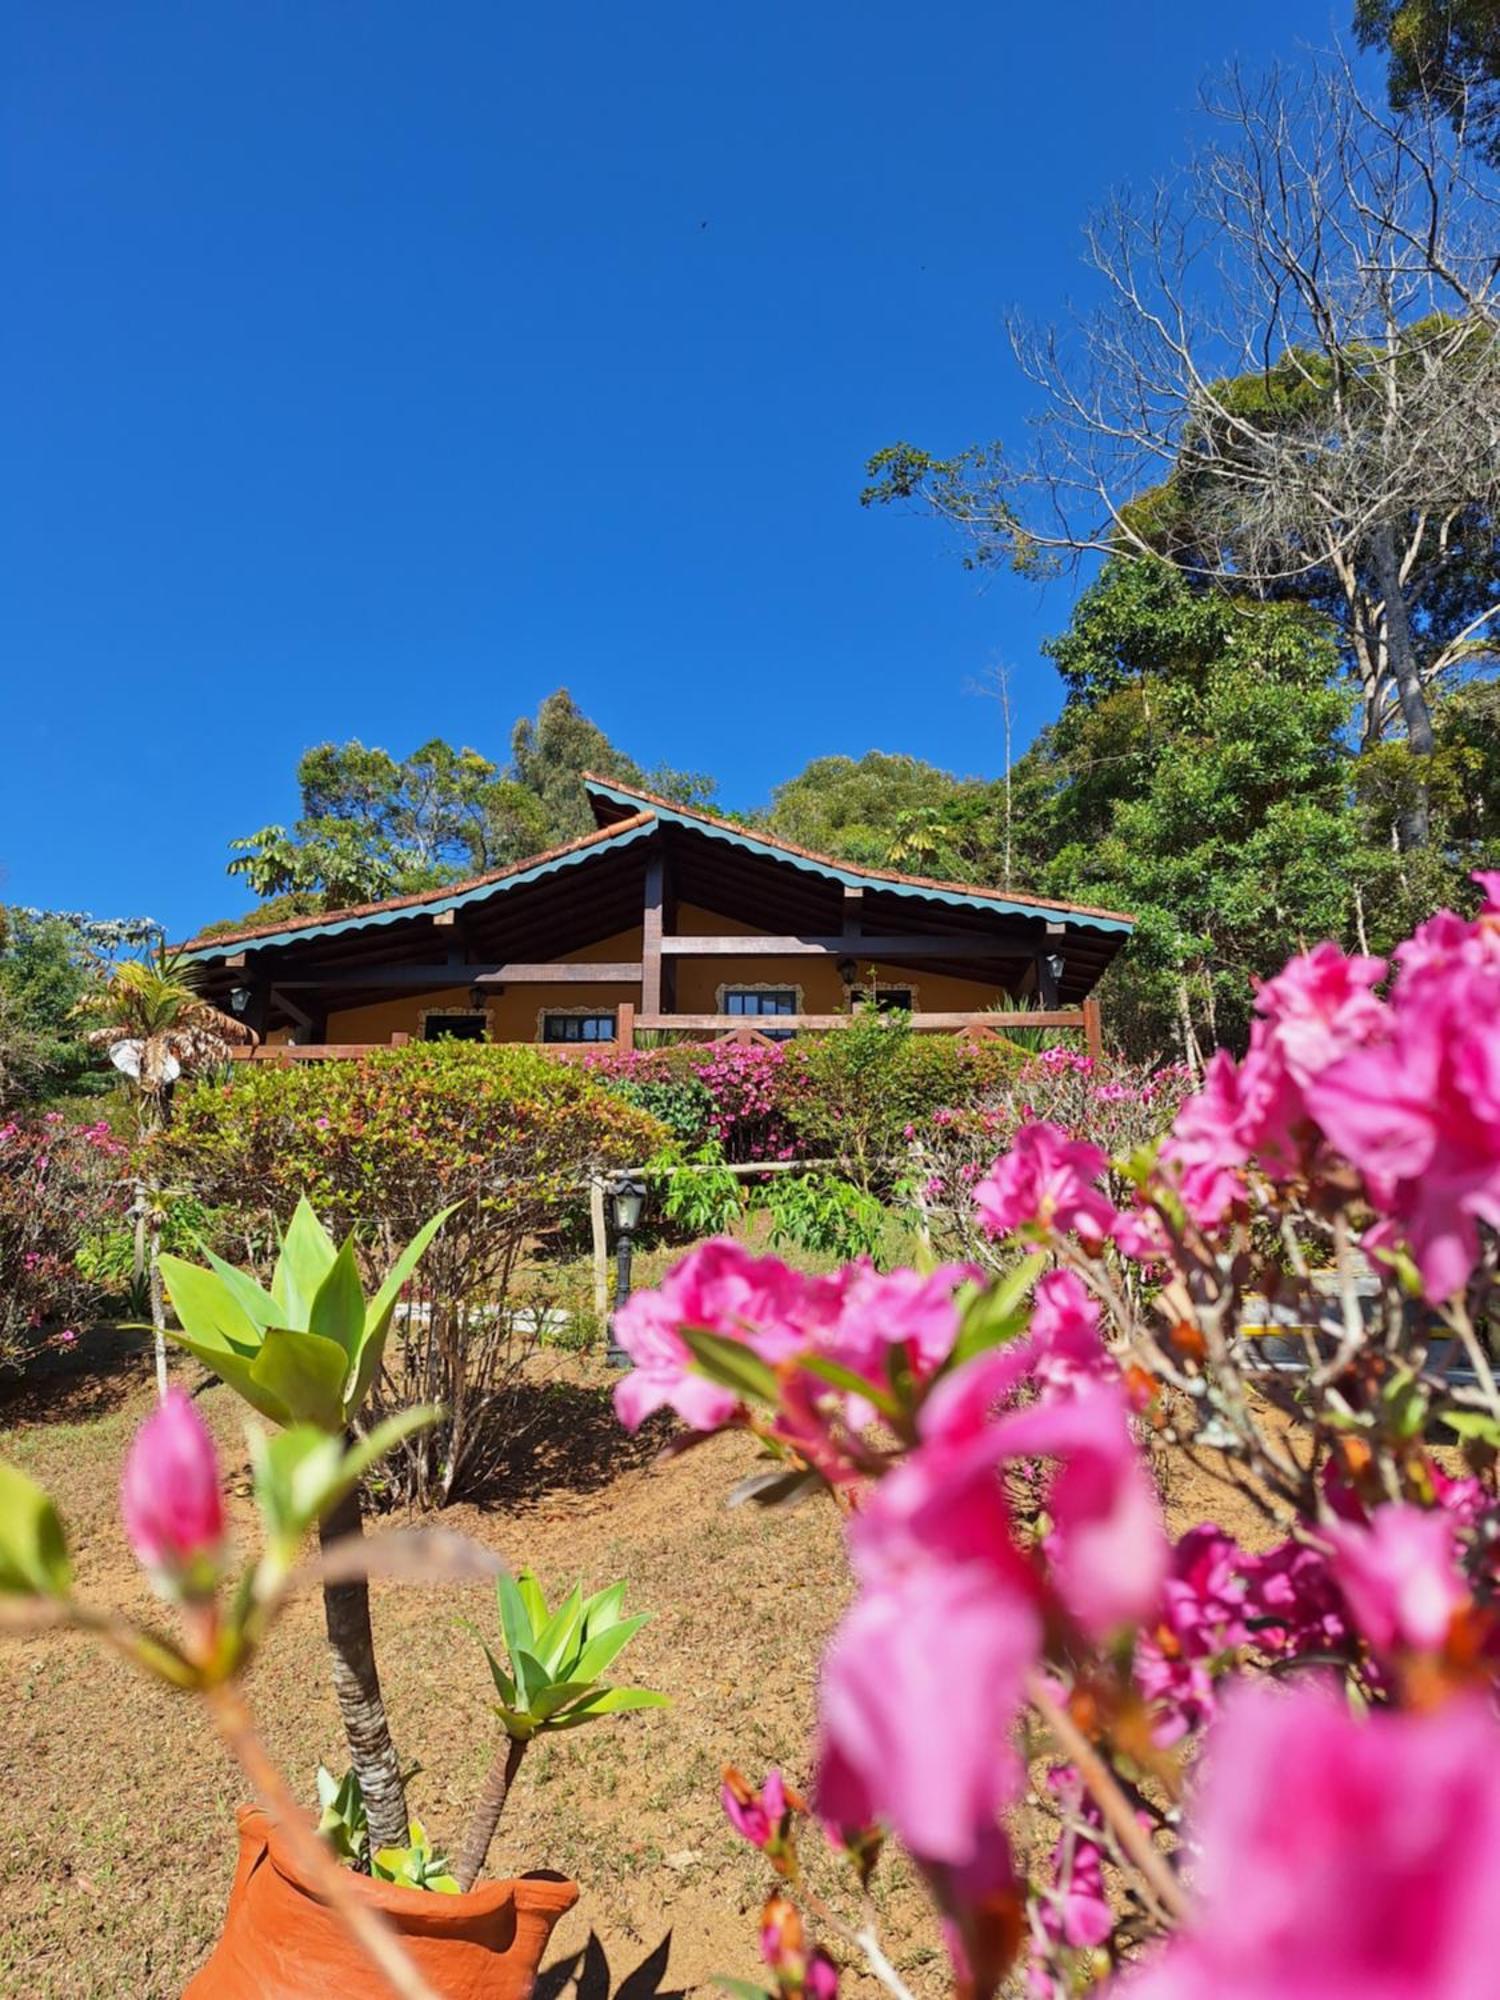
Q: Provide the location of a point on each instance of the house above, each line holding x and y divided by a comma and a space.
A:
664, 917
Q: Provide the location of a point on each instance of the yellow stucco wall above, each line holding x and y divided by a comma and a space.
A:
515, 1014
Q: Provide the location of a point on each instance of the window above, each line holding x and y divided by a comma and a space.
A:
886, 999
578, 1027
455, 1028
759, 1001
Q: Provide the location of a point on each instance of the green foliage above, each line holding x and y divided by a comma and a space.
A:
857, 808
506, 1138
826, 1215
374, 1143
343, 1824
697, 1196
304, 1471
1198, 777
106, 1258
50, 963
308, 1350
681, 1102
373, 825
33, 1548
851, 1094
1442, 54
555, 1661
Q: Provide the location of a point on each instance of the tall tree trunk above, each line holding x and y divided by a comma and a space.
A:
491, 1803
1401, 659
356, 1682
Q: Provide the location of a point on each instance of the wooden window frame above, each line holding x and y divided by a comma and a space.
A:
546, 1014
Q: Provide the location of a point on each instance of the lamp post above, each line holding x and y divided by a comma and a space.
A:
626, 1200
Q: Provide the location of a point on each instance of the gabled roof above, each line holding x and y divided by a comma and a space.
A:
609, 797
428, 902
628, 814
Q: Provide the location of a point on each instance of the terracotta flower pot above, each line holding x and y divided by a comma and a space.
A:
281, 1943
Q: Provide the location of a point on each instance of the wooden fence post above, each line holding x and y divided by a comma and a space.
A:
1093, 1028
625, 1026
601, 1251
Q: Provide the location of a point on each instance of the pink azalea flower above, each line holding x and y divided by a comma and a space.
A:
170, 1500
920, 1688
1107, 1553
755, 1816
1419, 1116
1400, 1576
1293, 1603
1065, 1333
1243, 1111
1340, 1857
1077, 1913
904, 1308
1203, 1612
1320, 1006
1046, 1181
722, 1288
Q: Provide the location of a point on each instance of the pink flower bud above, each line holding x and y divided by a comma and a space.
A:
170, 1500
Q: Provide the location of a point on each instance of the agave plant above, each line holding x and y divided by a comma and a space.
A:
343, 1823
552, 1681
307, 1351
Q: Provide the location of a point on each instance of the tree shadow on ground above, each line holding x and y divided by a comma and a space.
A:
75, 1383
557, 1437
589, 1974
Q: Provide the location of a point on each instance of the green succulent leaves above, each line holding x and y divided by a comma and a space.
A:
307, 1350
302, 1471
343, 1824
556, 1658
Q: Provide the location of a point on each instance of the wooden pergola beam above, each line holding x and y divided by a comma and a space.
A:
432, 978
844, 947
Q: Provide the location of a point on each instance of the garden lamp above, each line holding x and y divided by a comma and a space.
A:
627, 1199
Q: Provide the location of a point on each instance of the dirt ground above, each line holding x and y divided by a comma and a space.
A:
117, 1849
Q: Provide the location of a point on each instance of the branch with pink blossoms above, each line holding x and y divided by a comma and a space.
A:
1335, 1191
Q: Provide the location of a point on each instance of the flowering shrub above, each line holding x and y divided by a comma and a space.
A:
847, 1096
734, 1089
1120, 1106
1011, 1559
59, 1184
503, 1135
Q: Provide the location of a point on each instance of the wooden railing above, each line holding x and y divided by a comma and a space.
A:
744, 1029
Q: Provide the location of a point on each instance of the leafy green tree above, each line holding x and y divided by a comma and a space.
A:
373, 825
1199, 777
1443, 53
51, 961
860, 808
550, 750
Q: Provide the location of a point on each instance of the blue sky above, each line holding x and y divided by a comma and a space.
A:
373, 369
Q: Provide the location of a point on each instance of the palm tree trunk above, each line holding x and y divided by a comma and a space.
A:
356, 1683
486, 1817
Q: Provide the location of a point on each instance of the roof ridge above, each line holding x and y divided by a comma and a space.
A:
654, 800
415, 898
